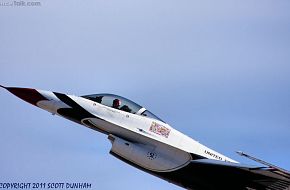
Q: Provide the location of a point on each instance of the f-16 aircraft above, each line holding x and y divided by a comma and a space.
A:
143, 140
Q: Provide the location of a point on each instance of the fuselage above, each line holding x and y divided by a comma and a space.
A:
138, 137
124, 124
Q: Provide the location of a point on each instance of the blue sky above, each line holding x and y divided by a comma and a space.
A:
218, 71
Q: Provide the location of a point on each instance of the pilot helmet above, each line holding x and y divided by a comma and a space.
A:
116, 103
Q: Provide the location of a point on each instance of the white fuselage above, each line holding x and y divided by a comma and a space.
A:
133, 127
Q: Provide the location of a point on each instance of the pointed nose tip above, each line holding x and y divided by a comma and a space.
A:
29, 95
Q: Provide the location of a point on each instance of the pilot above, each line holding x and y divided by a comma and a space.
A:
116, 103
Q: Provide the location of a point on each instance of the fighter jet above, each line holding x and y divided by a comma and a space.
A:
143, 140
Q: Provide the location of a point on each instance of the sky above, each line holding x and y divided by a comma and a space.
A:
218, 71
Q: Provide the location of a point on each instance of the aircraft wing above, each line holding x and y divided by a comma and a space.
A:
207, 174
237, 176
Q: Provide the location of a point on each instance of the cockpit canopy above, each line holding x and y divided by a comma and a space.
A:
121, 103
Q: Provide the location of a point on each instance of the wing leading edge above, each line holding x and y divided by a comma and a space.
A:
271, 167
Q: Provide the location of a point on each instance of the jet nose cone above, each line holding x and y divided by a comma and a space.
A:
29, 95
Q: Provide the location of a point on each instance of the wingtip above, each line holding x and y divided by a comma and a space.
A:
3, 86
